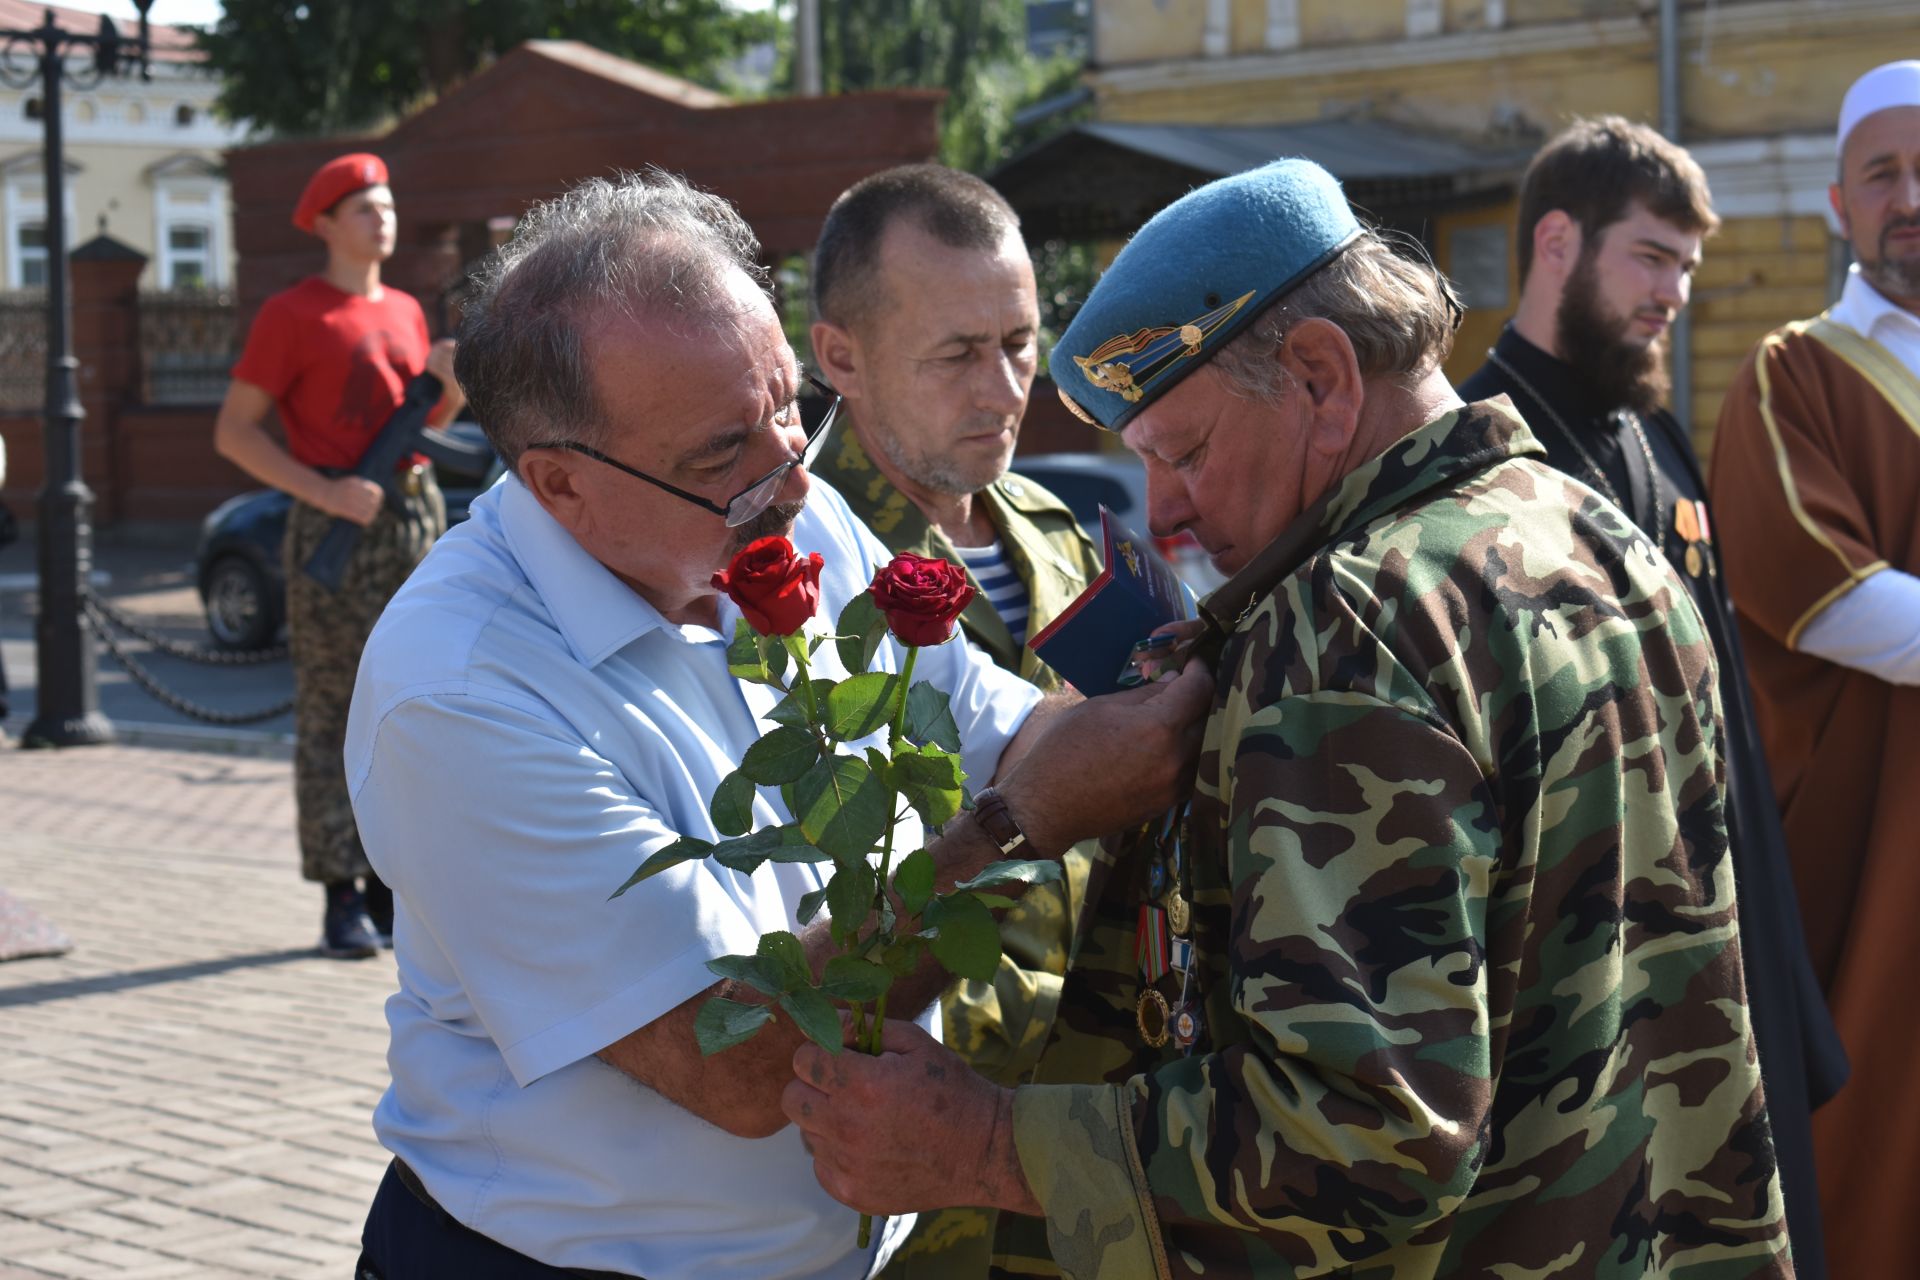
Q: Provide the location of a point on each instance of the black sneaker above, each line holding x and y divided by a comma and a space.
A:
379, 901
347, 933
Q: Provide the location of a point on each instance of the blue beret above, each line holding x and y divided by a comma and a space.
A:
1201, 271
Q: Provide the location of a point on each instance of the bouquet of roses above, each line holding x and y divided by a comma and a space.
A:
847, 789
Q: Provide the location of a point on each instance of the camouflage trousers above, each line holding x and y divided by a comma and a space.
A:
325, 632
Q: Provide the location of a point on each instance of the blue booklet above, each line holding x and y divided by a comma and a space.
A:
1091, 642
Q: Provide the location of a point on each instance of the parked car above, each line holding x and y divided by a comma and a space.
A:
1087, 481
243, 590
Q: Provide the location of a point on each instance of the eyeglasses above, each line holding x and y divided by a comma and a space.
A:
750, 501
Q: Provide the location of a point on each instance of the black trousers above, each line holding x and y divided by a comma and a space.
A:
409, 1237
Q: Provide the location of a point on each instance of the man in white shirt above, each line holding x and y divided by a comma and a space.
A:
1815, 468
546, 703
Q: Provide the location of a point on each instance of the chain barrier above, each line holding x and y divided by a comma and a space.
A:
103, 624
179, 649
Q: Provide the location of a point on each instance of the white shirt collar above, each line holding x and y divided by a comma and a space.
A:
1863, 308
597, 613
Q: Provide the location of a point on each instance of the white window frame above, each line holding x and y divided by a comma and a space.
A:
26, 204
169, 211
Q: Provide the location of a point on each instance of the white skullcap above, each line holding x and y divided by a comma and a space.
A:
1896, 84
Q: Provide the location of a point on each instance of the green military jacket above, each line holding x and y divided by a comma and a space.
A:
1467, 960
998, 1026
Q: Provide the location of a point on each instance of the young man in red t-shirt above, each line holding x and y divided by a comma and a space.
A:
333, 355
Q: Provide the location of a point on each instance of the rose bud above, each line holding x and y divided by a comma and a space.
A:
776, 590
921, 597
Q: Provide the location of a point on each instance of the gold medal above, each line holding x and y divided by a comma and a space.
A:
1179, 915
1695, 565
1152, 1015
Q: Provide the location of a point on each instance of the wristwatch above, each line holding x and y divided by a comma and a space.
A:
990, 811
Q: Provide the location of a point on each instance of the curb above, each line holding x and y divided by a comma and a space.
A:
177, 737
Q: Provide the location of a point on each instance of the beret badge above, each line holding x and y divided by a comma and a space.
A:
1149, 354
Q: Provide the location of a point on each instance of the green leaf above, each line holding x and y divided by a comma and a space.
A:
861, 705
850, 897
914, 881
685, 849
815, 1015
843, 808
930, 780
774, 656
788, 958
968, 941
781, 756
755, 971
724, 1023
1028, 871
862, 627
902, 956
768, 844
792, 709
744, 658
732, 804
930, 718
995, 901
851, 979
810, 904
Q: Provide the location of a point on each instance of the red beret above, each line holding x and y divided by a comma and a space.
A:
334, 181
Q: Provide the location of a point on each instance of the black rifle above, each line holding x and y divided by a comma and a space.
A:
400, 437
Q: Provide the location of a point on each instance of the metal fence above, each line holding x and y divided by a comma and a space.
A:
23, 350
188, 342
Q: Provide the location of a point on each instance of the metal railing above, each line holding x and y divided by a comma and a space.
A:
188, 342
23, 350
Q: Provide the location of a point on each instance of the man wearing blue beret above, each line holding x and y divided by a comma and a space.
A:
1438, 971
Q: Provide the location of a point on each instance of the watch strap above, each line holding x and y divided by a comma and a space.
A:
991, 812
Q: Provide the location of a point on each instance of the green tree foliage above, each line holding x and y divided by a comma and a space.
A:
323, 66
973, 49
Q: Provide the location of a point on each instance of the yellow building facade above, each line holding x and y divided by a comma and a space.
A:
1759, 87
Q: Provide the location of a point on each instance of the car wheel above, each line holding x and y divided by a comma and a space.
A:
241, 611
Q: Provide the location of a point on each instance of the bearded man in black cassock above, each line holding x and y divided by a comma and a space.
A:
1612, 219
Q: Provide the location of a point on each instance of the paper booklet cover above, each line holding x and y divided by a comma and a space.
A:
1090, 644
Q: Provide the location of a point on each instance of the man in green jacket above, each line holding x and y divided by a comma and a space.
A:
928, 325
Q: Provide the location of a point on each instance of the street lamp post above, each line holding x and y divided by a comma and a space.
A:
67, 710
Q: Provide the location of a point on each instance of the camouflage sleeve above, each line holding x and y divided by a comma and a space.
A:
1347, 1110
1001, 1026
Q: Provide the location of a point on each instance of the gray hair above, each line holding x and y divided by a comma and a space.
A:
643, 243
1398, 312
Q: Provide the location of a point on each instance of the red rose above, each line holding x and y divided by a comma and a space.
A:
921, 597
776, 589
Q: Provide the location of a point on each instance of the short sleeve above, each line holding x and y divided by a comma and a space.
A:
268, 361
1791, 531
533, 817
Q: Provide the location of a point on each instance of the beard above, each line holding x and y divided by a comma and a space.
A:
1895, 277
775, 522
1592, 342
940, 473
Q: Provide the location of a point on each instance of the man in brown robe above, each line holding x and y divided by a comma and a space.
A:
1816, 469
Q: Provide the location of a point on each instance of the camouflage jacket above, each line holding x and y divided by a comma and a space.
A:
1463, 913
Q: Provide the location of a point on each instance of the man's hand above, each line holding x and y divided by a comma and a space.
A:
354, 498
912, 1129
1109, 763
440, 362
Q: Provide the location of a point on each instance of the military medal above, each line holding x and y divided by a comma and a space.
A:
1152, 1015
1181, 954
1150, 943
1186, 1025
1179, 915
1686, 521
1696, 565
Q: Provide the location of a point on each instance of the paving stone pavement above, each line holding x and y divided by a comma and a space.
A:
187, 1092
